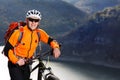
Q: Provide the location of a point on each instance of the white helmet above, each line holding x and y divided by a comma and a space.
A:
33, 14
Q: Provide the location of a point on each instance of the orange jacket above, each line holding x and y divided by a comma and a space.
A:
28, 43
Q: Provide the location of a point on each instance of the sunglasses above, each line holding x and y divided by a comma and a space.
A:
35, 20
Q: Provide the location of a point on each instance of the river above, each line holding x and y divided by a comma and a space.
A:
83, 71
67, 70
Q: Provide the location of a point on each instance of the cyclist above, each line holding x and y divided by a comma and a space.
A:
17, 55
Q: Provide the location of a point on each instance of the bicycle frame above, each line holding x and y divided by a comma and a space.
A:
41, 68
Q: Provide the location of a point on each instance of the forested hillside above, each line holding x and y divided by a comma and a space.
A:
98, 40
92, 6
58, 17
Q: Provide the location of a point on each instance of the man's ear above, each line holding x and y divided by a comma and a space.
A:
26, 20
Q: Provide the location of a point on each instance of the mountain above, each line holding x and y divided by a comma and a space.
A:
58, 17
97, 41
92, 6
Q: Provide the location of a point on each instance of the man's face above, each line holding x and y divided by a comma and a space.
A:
33, 23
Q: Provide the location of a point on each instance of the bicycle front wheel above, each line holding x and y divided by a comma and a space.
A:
51, 77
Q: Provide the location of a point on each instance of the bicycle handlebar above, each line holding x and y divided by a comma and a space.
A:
39, 56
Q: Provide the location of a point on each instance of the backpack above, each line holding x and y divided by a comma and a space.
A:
13, 26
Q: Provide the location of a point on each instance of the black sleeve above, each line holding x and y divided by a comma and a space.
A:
50, 40
7, 47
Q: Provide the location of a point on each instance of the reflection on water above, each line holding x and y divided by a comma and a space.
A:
66, 72
63, 71
82, 71
70, 71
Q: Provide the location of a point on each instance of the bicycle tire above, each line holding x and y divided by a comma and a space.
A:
50, 76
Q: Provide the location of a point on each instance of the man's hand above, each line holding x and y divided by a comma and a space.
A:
21, 62
56, 52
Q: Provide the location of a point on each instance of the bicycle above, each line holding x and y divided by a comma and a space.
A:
42, 68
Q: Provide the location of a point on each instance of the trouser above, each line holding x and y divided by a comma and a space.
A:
18, 72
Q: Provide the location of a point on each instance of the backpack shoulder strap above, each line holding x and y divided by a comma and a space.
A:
20, 36
39, 44
38, 33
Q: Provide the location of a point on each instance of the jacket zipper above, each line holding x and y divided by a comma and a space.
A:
30, 45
